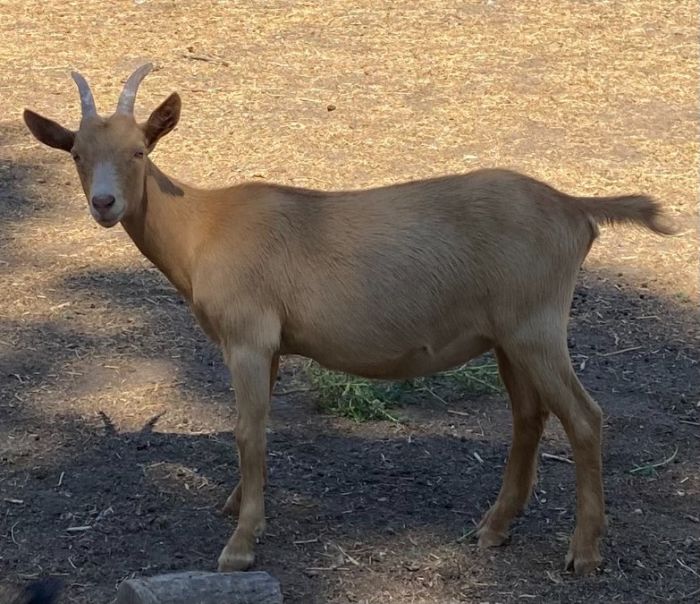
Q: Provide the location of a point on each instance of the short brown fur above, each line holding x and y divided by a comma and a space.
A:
391, 282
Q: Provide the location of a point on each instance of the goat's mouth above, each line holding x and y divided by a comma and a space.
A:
106, 220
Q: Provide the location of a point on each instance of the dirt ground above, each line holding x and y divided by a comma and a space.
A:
116, 444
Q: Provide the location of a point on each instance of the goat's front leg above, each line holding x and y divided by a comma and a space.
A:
233, 502
250, 371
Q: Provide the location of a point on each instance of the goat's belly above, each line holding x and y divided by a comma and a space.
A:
414, 361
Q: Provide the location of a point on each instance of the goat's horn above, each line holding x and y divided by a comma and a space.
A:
87, 102
128, 95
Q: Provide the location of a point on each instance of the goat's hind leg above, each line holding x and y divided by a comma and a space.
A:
545, 359
529, 418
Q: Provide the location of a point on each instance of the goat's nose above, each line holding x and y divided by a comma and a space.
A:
102, 202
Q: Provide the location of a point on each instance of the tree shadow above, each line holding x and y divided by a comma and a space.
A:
150, 499
17, 179
148, 502
165, 323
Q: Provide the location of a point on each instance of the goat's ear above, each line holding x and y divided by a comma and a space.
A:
49, 132
162, 120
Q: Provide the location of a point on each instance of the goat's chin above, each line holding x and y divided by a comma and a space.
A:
107, 223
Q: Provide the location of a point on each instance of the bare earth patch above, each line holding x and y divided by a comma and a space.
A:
116, 445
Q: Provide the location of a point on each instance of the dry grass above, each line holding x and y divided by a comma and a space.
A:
583, 99
595, 100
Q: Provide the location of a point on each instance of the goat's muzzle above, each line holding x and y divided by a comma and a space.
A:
103, 210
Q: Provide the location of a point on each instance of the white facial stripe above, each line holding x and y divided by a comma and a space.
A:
104, 180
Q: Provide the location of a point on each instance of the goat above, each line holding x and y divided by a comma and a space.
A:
393, 282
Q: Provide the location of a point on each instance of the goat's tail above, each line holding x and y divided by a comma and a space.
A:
640, 209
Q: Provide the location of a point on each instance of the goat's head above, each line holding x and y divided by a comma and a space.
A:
110, 153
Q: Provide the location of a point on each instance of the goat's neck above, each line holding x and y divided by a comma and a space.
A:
164, 227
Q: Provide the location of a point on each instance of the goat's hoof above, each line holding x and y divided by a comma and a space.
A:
233, 561
490, 538
487, 530
583, 562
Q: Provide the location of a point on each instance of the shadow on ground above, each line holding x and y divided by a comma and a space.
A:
96, 505
17, 178
147, 502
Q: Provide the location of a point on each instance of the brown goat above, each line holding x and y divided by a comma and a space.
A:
393, 282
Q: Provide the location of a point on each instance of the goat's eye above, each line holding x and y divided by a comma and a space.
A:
138, 154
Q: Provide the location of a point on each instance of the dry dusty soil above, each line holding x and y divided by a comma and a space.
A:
116, 415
